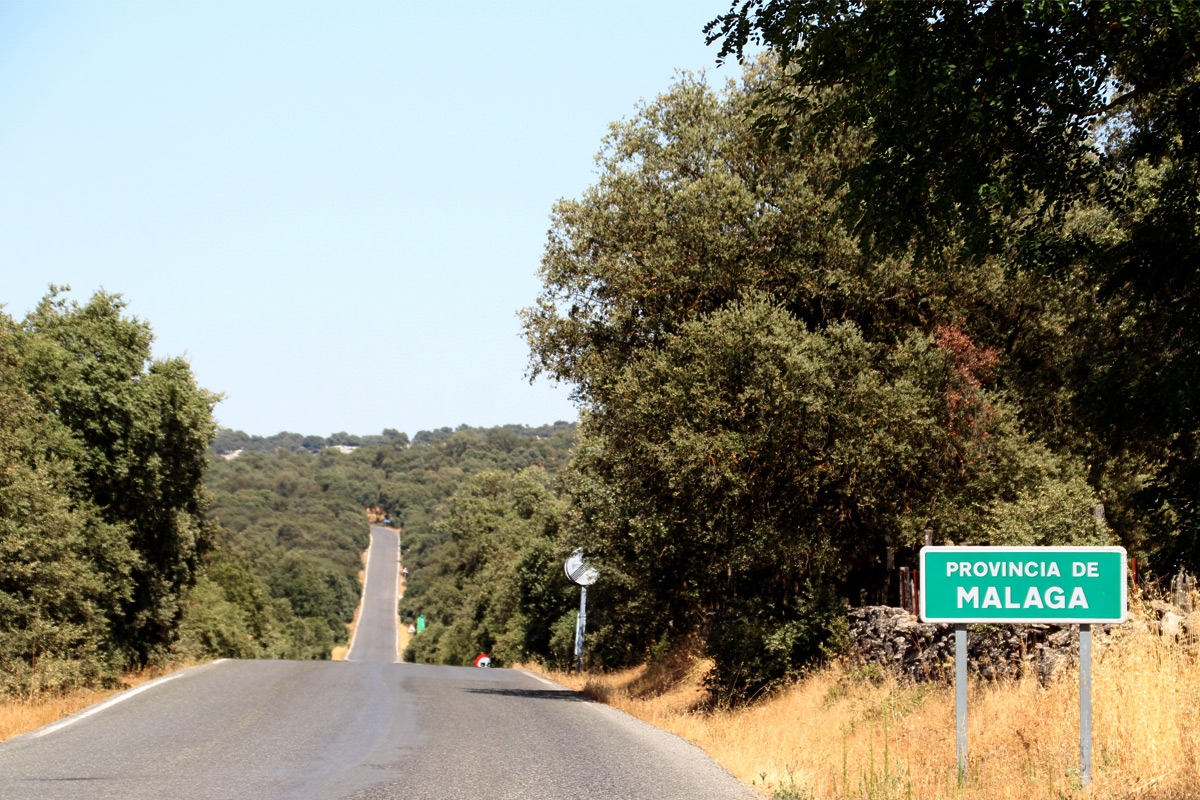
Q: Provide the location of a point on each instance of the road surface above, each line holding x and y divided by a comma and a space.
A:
367, 729
377, 631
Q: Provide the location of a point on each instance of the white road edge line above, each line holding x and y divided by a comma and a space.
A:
546, 681
396, 601
112, 701
362, 599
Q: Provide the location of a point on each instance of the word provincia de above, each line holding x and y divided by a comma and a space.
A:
1035, 597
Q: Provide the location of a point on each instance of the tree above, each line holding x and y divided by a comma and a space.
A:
977, 114
996, 124
142, 427
64, 570
770, 408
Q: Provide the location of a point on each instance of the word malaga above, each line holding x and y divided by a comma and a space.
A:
1035, 596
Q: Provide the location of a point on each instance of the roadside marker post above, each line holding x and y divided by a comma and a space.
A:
1060, 585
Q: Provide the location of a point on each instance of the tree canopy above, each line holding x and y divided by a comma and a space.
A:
770, 408
101, 496
977, 115
1001, 126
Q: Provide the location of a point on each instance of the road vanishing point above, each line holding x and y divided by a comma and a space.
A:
368, 728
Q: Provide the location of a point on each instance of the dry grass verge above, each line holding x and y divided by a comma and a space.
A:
857, 733
21, 715
340, 651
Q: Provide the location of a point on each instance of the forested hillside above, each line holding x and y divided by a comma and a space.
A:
290, 526
281, 578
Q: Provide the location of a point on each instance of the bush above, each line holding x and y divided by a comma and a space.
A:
755, 650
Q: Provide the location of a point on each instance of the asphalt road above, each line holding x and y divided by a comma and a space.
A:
367, 729
375, 635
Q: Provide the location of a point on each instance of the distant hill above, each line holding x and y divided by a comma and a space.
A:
288, 530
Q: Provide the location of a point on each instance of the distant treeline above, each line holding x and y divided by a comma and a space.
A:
229, 441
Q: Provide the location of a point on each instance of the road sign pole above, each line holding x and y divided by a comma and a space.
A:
960, 697
1085, 704
580, 626
1057, 585
579, 572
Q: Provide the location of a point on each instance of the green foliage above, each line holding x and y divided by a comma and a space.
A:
1005, 126
101, 501
976, 112
770, 408
214, 626
66, 573
281, 582
143, 427
414, 480
283, 576
757, 644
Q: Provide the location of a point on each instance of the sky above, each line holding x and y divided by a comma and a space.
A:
333, 211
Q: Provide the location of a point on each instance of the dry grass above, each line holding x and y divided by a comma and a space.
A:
403, 637
20, 715
845, 733
340, 651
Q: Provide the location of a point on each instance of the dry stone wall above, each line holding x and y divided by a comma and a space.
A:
924, 651
898, 641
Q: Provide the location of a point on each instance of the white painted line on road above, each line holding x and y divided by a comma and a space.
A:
396, 600
599, 707
112, 701
546, 681
362, 601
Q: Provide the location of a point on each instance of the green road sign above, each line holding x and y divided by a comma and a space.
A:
1023, 584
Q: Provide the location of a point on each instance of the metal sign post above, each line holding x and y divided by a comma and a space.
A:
1085, 704
578, 571
960, 698
1063, 585
580, 627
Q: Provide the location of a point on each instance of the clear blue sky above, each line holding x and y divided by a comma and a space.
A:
332, 210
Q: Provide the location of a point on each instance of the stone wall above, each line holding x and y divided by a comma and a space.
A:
898, 641
923, 651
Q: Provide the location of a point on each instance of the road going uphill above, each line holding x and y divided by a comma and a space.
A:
365, 728
375, 636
